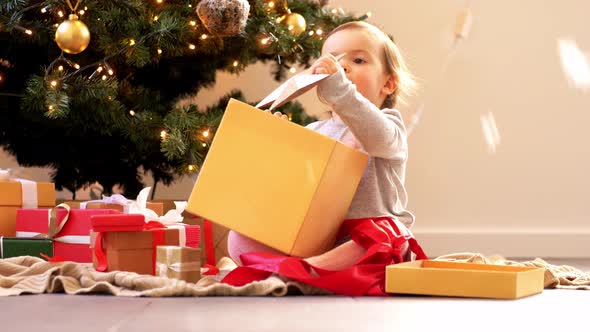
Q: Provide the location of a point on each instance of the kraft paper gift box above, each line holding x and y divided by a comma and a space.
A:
440, 278
179, 263
134, 250
15, 247
27, 194
276, 182
72, 242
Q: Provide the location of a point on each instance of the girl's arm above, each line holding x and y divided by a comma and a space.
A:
381, 132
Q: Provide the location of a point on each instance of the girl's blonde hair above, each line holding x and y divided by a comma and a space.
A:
393, 61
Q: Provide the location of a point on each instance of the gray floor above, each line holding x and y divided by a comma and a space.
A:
551, 310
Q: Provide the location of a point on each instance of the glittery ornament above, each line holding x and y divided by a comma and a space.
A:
224, 17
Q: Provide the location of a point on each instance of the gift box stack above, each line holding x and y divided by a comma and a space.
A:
164, 246
32, 225
16, 195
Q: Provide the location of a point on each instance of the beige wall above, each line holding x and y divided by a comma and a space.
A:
534, 188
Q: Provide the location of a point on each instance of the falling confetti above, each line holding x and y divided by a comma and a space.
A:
463, 24
574, 63
490, 131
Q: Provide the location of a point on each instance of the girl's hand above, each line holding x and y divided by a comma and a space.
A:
327, 64
279, 114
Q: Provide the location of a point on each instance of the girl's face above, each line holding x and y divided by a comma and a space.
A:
363, 62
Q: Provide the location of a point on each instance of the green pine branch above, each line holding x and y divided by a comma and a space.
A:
108, 127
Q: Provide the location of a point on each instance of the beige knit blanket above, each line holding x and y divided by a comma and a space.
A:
30, 275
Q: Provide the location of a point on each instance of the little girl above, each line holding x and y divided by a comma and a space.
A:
362, 89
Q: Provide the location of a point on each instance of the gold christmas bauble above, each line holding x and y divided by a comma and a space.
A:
72, 36
295, 23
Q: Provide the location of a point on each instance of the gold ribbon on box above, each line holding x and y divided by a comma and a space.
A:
55, 226
163, 268
29, 188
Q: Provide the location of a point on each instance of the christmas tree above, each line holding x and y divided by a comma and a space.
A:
93, 96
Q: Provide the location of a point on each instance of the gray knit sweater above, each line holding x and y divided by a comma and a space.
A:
379, 133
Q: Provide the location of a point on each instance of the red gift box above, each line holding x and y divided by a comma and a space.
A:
72, 242
118, 223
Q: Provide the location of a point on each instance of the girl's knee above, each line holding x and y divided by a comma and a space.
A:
238, 244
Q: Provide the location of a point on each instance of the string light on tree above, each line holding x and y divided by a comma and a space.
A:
163, 134
132, 112
131, 42
109, 69
191, 168
28, 32
236, 63
206, 133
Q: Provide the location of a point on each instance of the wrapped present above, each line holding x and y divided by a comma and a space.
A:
14, 247
152, 210
15, 194
179, 263
69, 229
133, 247
294, 186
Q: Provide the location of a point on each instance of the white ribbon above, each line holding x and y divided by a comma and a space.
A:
71, 239
177, 267
115, 199
181, 233
173, 219
28, 189
29, 193
137, 206
174, 216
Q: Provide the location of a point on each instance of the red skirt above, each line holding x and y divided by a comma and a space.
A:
382, 239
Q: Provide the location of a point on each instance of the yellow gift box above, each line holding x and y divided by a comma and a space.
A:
276, 182
440, 278
11, 199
